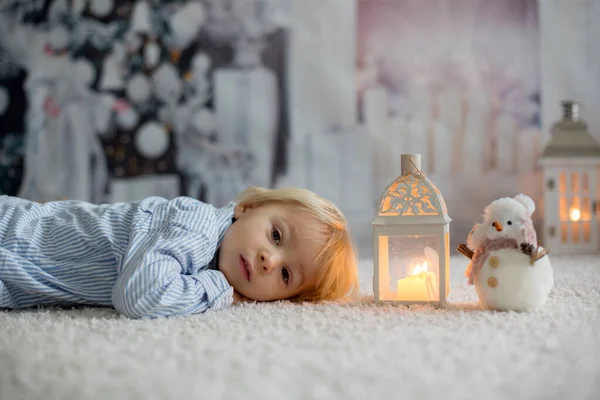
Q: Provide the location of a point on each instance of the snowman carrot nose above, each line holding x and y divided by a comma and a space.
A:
497, 225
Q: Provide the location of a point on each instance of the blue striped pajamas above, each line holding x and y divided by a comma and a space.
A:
147, 258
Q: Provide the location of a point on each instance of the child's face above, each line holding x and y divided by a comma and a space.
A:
267, 254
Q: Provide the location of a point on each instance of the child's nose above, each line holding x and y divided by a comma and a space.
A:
267, 261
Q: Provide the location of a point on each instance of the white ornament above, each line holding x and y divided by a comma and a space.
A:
187, 22
112, 69
127, 118
165, 115
201, 63
151, 140
57, 9
141, 20
167, 83
58, 38
84, 71
103, 111
204, 121
101, 8
508, 281
199, 81
139, 89
4, 100
133, 42
78, 6
151, 55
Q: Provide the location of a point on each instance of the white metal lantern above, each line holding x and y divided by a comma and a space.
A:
411, 240
571, 170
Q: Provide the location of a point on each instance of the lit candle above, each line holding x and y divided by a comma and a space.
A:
575, 214
420, 285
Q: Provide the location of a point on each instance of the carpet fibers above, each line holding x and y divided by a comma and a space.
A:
326, 351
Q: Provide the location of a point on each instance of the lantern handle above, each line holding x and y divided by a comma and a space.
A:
417, 168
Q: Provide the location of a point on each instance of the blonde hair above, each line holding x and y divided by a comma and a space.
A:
338, 276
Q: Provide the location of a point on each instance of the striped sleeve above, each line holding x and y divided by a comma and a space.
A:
154, 278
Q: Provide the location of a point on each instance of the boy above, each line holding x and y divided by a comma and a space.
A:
159, 257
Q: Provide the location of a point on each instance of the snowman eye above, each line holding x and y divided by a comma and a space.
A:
509, 222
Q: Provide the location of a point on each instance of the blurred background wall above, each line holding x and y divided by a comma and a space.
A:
105, 100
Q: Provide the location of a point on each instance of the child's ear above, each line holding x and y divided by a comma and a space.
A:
240, 209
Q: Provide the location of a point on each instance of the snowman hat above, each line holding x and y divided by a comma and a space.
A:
521, 203
527, 202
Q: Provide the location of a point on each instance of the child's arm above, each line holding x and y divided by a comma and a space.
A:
154, 279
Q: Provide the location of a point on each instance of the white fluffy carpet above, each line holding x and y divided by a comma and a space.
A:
330, 351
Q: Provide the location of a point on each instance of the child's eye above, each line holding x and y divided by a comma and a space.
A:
285, 275
276, 236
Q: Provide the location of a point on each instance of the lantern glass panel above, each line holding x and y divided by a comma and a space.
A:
576, 206
587, 232
409, 267
447, 244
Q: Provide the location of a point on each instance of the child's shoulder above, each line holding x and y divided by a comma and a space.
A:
185, 212
179, 203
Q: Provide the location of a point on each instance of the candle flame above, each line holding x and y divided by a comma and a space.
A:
419, 268
575, 214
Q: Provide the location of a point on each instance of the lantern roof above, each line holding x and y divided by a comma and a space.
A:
411, 198
571, 137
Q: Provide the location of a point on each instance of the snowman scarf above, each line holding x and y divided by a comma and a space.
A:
482, 253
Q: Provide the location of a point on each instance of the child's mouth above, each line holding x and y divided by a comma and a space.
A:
246, 268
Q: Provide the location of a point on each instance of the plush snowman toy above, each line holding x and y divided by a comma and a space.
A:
508, 268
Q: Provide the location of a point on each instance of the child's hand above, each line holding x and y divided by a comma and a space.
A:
239, 298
